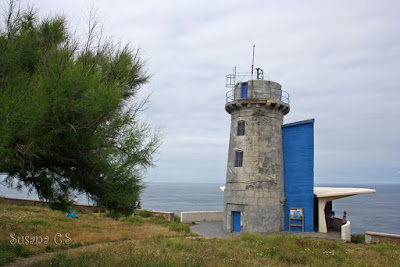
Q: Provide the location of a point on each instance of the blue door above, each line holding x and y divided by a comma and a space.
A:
235, 221
245, 86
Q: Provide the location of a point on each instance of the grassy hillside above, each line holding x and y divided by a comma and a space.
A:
27, 230
153, 242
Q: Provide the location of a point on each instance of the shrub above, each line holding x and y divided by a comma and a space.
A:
144, 213
358, 238
111, 214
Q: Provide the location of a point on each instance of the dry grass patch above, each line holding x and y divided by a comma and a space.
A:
35, 223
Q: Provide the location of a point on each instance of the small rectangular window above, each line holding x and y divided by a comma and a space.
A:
240, 128
239, 159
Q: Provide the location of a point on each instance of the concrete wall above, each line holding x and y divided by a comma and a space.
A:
375, 237
345, 232
256, 189
201, 216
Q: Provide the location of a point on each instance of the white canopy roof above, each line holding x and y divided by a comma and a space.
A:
339, 192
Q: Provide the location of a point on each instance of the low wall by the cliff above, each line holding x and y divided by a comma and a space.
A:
202, 216
170, 216
27, 202
375, 237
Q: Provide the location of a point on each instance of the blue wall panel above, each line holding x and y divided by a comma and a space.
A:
298, 158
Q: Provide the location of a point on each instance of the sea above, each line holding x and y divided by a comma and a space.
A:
378, 212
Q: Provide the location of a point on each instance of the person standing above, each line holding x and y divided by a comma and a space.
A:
330, 219
344, 219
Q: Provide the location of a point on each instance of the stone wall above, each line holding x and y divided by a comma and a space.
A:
170, 216
202, 216
259, 89
375, 237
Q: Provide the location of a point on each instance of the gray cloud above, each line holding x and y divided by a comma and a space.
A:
339, 60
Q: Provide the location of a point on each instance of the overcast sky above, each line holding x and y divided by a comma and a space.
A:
338, 60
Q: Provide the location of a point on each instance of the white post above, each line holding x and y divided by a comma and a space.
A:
322, 228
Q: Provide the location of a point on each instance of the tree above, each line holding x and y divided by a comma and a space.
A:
69, 112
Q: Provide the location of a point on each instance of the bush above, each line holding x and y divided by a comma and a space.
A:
144, 213
358, 238
111, 214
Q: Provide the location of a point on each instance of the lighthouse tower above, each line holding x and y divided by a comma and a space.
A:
254, 197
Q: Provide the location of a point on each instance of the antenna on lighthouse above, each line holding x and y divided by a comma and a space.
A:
252, 63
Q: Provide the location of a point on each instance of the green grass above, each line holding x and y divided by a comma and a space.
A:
159, 220
247, 250
154, 241
133, 220
10, 252
34, 223
179, 227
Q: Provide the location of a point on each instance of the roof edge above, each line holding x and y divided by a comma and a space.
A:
298, 123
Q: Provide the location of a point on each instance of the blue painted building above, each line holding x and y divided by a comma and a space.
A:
298, 158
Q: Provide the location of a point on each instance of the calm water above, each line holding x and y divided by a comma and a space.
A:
379, 212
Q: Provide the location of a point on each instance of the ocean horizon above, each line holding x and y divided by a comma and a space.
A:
378, 212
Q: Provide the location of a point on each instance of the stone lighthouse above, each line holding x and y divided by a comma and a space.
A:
254, 197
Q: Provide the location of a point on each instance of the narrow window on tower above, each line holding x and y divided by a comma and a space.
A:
240, 128
238, 158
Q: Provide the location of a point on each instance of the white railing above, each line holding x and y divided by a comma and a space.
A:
233, 79
260, 92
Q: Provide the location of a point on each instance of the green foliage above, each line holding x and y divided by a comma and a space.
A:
179, 227
357, 238
9, 253
111, 214
144, 213
69, 113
